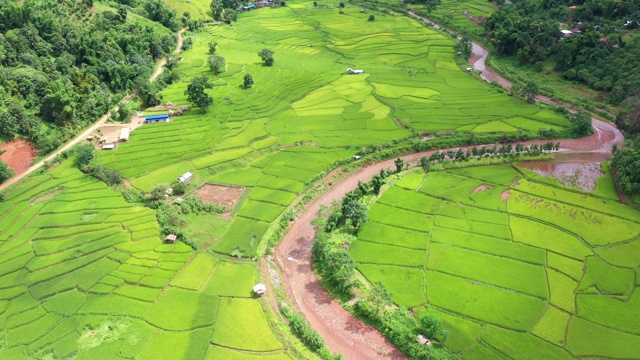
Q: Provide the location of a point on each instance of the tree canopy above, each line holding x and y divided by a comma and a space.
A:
196, 92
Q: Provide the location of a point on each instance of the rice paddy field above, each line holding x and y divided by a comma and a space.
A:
304, 113
514, 265
85, 275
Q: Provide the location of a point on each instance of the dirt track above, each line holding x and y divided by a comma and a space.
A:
90, 130
342, 332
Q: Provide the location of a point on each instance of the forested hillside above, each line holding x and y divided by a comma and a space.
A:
602, 51
64, 62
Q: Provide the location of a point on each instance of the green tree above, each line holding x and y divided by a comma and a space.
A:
158, 192
341, 5
212, 47
371, 18
379, 297
425, 164
216, 63
196, 93
342, 267
248, 81
5, 172
433, 328
9, 127
627, 168
180, 188
530, 91
84, 153
267, 56
377, 181
399, 164
217, 9
582, 124
431, 5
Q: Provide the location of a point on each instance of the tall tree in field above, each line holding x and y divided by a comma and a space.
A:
267, 56
212, 47
196, 92
217, 9
530, 91
248, 81
399, 164
582, 124
216, 63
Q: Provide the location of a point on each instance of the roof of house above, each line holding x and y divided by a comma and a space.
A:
259, 288
185, 176
124, 133
171, 238
157, 117
108, 147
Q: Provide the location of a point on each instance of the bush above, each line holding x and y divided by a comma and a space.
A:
5, 172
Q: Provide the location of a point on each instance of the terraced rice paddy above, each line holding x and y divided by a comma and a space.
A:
304, 113
84, 274
514, 265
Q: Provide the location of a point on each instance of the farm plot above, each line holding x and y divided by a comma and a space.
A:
304, 112
510, 279
84, 273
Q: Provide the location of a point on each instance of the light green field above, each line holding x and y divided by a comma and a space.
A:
526, 279
304, 113
84, 274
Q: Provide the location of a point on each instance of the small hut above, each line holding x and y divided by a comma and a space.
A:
354, 71
186, 177
171, 238
423, 340
259, 289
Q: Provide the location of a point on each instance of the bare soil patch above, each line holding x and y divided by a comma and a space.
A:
482, 187
18, 154
505, 195
226, 196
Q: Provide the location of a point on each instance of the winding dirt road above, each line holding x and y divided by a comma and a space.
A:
342, 332
99, 123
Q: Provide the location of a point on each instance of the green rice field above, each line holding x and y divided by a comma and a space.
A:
515, 266
304, 113
84, 274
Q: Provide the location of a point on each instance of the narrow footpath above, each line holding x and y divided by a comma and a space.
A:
99, 123
342, 332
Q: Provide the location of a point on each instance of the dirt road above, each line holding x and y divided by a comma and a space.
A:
342, 332
81, 137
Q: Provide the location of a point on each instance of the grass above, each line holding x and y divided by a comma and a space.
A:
195, 273
242, 325
200, 312
304, 113
524, 277
407, 285
85, 274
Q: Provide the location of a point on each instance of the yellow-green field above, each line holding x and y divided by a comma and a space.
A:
514, 265
304, 113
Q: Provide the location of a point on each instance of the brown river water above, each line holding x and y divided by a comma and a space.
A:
580, 170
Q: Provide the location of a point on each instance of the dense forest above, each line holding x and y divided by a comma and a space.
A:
602, 51
63, 63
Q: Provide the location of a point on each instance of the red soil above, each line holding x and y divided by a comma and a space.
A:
18, 155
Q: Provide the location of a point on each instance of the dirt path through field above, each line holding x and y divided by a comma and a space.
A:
342, 332
96, 125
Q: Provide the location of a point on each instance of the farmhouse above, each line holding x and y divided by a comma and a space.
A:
354, 71
566, 33
156, 118
259, 289
108, 147
185, 178
171, 238
124, 134
423, 340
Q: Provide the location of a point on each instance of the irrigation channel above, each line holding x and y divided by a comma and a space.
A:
103, 120
342, 332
